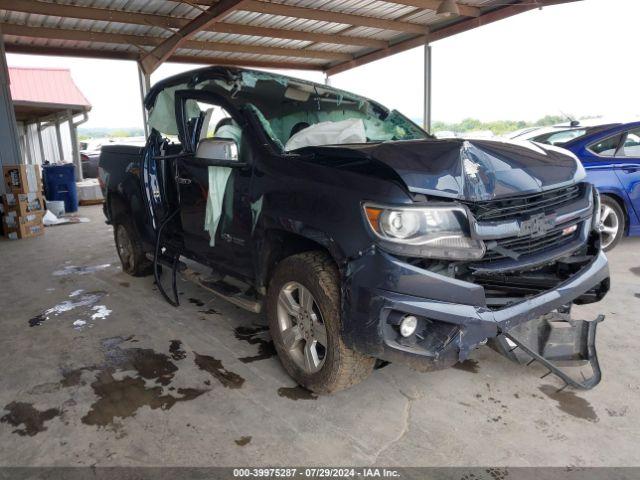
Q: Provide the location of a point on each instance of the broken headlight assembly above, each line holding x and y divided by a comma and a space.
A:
432, 232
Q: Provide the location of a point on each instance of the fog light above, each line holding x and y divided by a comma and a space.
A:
408, 325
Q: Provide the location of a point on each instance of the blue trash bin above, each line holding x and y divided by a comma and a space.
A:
60, 184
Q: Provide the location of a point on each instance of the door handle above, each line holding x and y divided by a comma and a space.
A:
183, 181
629, 168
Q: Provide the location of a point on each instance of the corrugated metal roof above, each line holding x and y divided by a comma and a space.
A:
45, 85
330, 35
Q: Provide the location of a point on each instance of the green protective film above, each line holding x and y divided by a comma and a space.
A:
266, 125
162, 116
218, 178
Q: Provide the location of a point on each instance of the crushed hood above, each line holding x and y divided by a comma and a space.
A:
473, 170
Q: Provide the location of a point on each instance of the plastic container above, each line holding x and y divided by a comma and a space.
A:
60, 185
56, 207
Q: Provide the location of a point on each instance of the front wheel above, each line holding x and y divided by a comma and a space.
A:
612, 222
303, 309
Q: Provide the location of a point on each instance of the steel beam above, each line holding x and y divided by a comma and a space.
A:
152, 60
144, 81
10, 153
427, 88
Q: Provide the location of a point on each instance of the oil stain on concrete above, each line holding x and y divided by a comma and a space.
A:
197, 302
81, 304
122, 398
242, 441
468, 365
214, 367
73, 270
570, 403
117, 397
296, 393
253, 336
146, 362
176, 350
32, 419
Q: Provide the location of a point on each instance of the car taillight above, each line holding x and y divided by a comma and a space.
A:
84, 158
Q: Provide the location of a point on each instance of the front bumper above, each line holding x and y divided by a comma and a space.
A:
454, 318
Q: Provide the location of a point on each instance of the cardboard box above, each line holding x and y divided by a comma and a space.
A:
22, 178
12, 219
20, 230
23, 203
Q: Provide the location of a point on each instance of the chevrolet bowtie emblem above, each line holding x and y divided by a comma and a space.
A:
537, 225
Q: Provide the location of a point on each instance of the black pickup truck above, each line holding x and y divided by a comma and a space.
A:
361, 236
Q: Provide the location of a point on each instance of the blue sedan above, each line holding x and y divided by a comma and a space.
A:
611, 157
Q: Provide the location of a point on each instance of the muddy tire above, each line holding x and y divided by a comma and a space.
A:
303, 309
612, 225
129, 248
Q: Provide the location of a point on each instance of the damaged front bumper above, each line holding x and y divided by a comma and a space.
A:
453, 315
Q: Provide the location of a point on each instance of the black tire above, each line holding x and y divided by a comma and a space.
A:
342, 367
130, 250
616, 210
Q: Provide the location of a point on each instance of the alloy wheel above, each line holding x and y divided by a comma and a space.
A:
302, 329
609, 225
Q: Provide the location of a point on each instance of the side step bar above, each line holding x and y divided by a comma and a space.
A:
220, 288
227, 291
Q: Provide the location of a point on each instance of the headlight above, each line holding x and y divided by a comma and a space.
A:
433, 232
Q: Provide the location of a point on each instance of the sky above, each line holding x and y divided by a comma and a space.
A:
579, 59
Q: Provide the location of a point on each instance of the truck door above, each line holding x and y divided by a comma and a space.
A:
627, 166
213, 185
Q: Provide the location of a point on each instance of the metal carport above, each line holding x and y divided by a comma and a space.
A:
331, 36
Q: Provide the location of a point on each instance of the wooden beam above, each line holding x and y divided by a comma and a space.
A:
117, 55
92, 13
71, 52
152, 60
167, 22
439, 34
465, 10
140, 40
284, 33
244, 63
331, 16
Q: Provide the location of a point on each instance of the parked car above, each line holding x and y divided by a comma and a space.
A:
611, 156
90, 152
90, 162
363, 237
90, 156
557, 134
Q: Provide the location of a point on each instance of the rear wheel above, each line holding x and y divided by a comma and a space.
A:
130, 251
303, 308
612, 222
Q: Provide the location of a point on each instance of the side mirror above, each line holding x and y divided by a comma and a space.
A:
217, 149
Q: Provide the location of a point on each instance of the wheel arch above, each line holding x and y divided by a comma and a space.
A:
616, 197
277, 244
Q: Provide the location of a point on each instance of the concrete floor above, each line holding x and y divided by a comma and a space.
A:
142, 383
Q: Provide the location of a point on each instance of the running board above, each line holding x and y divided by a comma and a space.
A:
224, 290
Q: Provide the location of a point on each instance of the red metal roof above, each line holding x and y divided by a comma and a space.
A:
53, 86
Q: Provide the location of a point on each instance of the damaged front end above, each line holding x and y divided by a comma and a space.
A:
539, 254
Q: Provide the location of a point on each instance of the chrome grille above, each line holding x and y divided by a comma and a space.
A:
532, 245
516, 207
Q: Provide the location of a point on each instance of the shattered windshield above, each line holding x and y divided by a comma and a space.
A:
295, 113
